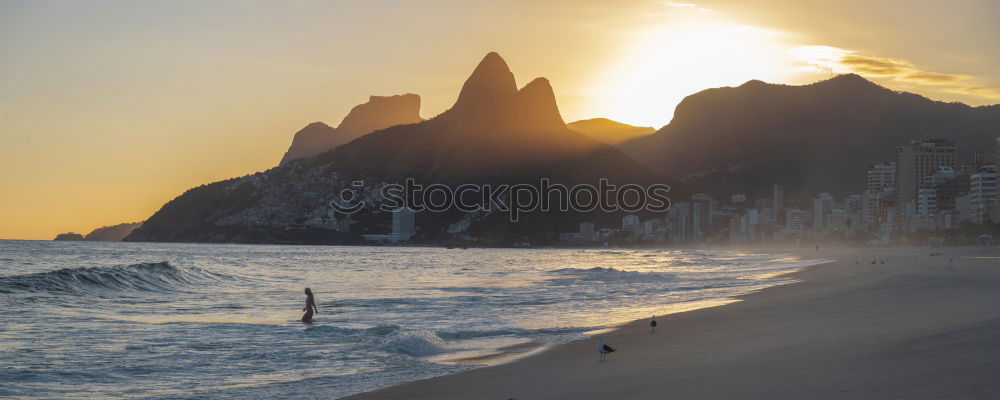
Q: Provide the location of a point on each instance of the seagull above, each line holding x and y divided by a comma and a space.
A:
652, 325
603, 348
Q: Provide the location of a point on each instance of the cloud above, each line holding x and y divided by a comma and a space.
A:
935, 78
982, 91
836, 60
875, 65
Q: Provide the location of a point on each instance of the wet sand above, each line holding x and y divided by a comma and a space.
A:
915, 327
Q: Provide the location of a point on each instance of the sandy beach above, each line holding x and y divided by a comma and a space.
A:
916, 327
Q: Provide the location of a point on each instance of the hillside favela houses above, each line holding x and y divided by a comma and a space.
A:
925, 195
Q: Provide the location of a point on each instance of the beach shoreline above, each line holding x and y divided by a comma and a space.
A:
915, 326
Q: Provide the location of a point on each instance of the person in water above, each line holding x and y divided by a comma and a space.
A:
310, 307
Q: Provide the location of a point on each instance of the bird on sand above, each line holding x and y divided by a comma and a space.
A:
652, 325
603, 348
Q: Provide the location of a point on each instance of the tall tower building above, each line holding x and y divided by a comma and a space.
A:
996, 150
880, 177
914, 162
403, 224
705, 211
983, 190
778, 200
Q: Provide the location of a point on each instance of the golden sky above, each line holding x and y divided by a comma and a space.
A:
109, 109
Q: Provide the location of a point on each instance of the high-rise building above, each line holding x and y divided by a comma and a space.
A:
881, 177
879, 188
927, 202
822, 207
854, 205
795, 220
630, 223
983, 193
679, 220
940, 176
778, 198
403, 224
587, 231
996, 150
704, 207
836, 220
979, 159
914, 162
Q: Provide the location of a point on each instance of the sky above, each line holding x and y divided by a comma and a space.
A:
109, 109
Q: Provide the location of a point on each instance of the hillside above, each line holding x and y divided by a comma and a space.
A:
813, 138
610, 132
495, 133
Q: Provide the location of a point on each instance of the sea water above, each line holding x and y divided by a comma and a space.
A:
84, 319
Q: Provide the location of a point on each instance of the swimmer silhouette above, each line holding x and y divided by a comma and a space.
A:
310, 307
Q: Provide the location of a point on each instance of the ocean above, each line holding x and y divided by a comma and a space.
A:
151, 320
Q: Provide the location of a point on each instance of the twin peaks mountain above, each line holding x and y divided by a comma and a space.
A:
495, 133
378, 113
814, 138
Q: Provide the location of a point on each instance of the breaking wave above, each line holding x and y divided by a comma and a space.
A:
420, 343
599, 274
146, 277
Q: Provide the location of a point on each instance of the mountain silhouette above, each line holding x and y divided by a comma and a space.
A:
814, 138
113, 233
378, 113
495, 133
608, 131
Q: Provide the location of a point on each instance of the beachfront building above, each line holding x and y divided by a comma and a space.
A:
403, 224
652, 229
983, 193
927, 202
587, 234
587, 231
914, 162
778, 198
879, 189
996, 149
880, 177
854, 205
630, 223
979, 160
403, 228
837, 220
678, 220
795, 220
822, 207
703, 207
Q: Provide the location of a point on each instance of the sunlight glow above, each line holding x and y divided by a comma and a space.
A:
666, 63
820, 58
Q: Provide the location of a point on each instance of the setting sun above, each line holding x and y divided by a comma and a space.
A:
661, 65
